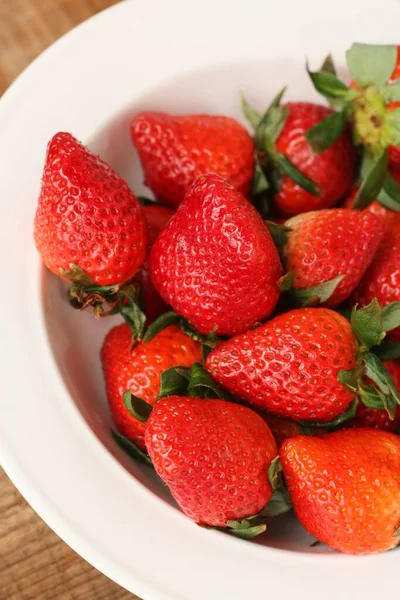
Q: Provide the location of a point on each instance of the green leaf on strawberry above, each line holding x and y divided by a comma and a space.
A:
122, 299
371, 64
290, 170
317, 294
391, 316
373, 182
278, 233
334, 423
201, 385
326, 132
389, 196
137, 407
391, 91
377, 372
132, 449
328, 66
327, 84
163, 321
260, 182
367, 325
244, 529
250, 113
174, 382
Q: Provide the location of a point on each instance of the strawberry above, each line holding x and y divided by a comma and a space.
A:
382, 279
175, 150
332, 171
156, 217
345, 488
328, 244
369, 417
215, 262
213, 455
303, 177
87, 216
139, 370
289, 366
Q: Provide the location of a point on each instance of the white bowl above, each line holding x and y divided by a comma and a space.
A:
55, 440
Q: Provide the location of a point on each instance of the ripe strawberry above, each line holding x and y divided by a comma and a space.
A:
330, 243
379, 419
289, 366
156, 217
332, 170
87, 216
215, 262
139, 370
214, 457
175, 150
382, 279
345, 488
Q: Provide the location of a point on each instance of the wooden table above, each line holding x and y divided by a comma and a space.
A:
34, 563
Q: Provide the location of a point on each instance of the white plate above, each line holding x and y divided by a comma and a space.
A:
54, 428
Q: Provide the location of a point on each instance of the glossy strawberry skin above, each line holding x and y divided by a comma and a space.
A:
139, 370
213, 455
327, 243
175, 150
332, 171
379, 419
345, 488
382, 279
87, 215
289, 365
215, 262
156, 218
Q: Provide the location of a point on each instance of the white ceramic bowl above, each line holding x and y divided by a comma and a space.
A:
55, 441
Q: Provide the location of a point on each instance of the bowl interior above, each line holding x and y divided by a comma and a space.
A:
76, 337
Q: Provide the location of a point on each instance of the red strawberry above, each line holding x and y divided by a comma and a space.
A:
214, 457
369, 417
289, 366
382, 279
156, 217
215, 262
345, 488
330, 243
87, 216
332, 171
175, 150
139, 370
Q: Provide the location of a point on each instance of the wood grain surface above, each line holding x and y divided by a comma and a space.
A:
34, 563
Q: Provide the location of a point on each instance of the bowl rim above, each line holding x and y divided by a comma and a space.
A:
66, 425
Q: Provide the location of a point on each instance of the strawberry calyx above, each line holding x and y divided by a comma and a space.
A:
130, 448
122, 299
315, 428
194, 382
137, 407
366, 106
312, 296
271, 165
170, 318
370, 381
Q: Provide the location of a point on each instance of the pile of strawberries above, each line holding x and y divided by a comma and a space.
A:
258, 365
